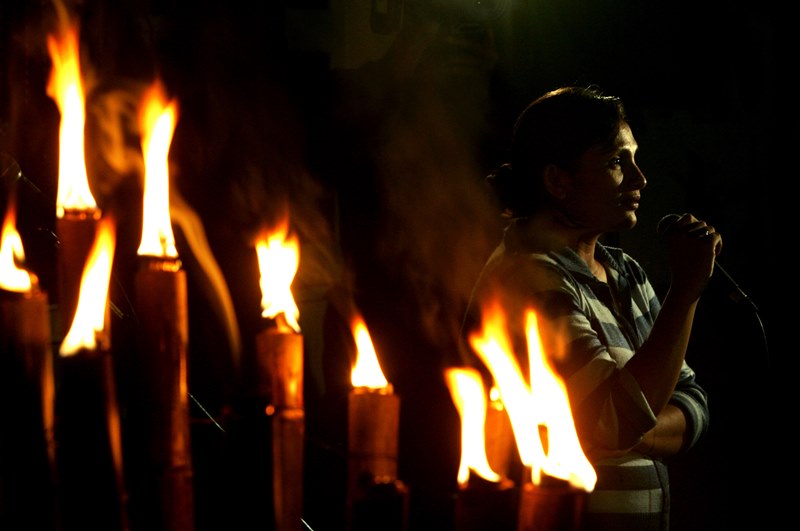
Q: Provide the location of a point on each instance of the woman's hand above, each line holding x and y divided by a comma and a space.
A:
692, 246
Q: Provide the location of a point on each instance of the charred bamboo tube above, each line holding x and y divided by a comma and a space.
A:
162, 495
27, 406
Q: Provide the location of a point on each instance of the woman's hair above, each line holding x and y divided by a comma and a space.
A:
558, 127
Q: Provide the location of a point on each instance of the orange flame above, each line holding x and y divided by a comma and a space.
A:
90, 314
564, 456
66, 89
366, 371
12, 278
469, 396
278, 259
493, 347
542, 404
157, 122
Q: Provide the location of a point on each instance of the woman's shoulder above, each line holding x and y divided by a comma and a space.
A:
526, 272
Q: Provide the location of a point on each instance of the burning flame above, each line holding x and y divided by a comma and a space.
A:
467, 391
540, 413
564, 456
12, 278
493, 347
278, 259
90, 314
66, 89
366, 372
157, 122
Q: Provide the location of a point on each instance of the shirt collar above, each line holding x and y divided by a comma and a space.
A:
566, 257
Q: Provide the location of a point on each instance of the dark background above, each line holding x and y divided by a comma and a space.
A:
376, 132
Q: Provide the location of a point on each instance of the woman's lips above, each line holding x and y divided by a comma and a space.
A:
631, 203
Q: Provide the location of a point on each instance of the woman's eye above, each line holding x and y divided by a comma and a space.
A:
616, 161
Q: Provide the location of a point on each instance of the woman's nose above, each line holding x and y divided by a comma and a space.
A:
636, 178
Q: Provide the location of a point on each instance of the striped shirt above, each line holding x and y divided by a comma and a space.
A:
590, 329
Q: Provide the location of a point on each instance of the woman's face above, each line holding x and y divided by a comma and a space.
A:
603, 193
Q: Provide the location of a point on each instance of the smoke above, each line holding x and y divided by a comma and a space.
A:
442, 225
245, 147
421, 117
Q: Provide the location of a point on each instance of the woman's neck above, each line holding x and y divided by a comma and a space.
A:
545, 231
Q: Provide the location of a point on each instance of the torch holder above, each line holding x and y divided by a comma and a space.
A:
554, 505
91, 487
27, 402
380, 503
76, 233
277, 370
162, 491
277, 381
372, 485
482, 504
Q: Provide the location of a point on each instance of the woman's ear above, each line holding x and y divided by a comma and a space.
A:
556, 181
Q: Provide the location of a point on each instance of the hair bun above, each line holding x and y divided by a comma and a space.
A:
500, 176
501, 180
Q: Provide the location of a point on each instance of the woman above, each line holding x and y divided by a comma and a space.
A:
571, 179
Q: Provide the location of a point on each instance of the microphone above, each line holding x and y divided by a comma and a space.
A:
735, 293
666, 222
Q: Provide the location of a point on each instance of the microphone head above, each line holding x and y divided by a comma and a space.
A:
666, 222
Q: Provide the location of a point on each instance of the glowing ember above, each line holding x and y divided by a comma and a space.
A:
66, 89
278, 259
12, 278
366, 372
467, 391
540, 413
157, 122
90, 314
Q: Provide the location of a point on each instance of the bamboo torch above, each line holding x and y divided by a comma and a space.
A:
91, 483
485, 499
27, 391
376, 498
77, 213
163, 497
500, 444
278, 372
554, 497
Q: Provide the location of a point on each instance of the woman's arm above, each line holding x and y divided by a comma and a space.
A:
667, 438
